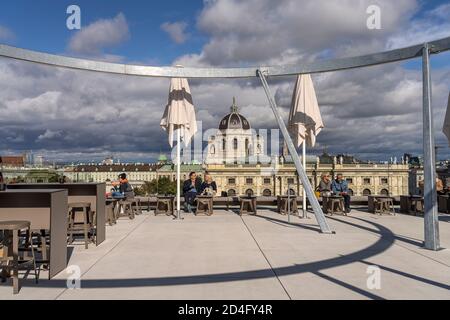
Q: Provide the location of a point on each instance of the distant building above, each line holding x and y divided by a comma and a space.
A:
235, 141
12, 161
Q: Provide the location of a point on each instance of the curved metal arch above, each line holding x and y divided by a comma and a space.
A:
174, 72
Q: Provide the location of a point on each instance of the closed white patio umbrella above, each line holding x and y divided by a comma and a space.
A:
305, 121
179, 117
446, 128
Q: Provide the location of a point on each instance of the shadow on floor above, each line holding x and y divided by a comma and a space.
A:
385, 241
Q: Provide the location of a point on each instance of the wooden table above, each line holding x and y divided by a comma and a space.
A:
282, 204
204, 205
168, 202
327, 199
45, 209
112, 219
410, 204
94, 193
444, 203
371, 201
250, 202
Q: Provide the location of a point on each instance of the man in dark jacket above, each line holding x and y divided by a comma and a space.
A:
191, 188
340, 188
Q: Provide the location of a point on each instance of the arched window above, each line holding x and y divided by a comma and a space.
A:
384, 192
267, 193
224, 144
366, 192
231, 193
212, 150
292, 192
235, 144
247, 151
249, 192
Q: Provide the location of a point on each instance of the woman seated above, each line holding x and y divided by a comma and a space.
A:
191, 188
208, 187
325, 185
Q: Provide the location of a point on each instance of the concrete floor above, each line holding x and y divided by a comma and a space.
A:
255, 257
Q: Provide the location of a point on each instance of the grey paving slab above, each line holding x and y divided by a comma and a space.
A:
228, 257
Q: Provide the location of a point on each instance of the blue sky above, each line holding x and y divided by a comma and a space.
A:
374, 113
41, 25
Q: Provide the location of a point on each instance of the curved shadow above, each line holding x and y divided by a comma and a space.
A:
386, 240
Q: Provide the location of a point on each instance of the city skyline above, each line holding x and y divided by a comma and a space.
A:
373, 113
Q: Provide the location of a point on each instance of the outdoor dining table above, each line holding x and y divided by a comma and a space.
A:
250, 203
444, 203
371, 201
204, 205
165, 205
326, 200
282, 204
45, 209
411, 204
94, 193
112, 215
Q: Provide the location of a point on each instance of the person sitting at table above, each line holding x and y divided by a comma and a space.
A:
2, 182
439, 187
208, 187
125, 187
191, 188
325, 185
340, 188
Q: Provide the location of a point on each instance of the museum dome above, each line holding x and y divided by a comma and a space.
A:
234, 120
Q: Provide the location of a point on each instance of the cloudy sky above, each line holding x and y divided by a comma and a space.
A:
67, 115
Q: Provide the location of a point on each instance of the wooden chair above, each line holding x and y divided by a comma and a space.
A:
10, 261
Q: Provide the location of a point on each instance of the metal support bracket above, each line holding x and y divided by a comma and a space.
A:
320, 217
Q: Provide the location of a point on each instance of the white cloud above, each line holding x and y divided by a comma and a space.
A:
104, 33
176, 31
6, 34
48, 135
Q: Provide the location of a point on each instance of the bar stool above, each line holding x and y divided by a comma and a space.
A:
11, 261
389, 206
77, 224
336, 205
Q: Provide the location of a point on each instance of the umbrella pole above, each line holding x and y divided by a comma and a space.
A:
305, 214
178, 173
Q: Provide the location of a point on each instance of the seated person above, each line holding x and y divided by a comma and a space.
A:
325, 185
125, 187
208, 187
191, 188
340, 188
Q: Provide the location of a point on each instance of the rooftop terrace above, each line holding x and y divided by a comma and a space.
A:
255, 257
